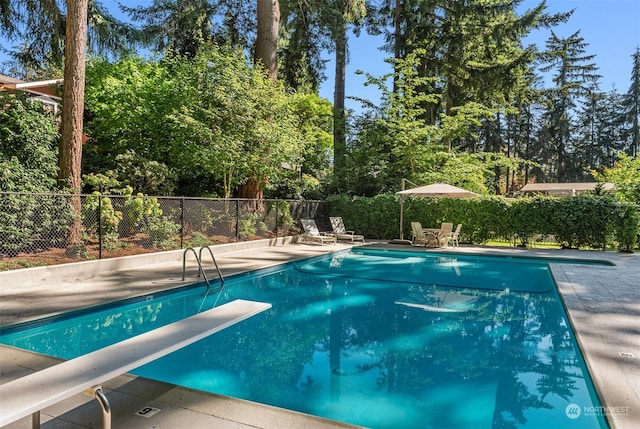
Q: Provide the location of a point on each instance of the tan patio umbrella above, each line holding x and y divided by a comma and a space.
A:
437, 190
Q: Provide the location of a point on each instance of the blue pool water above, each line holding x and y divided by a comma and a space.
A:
385, 339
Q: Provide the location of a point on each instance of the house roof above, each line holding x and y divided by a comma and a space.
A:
566, 187
46, 88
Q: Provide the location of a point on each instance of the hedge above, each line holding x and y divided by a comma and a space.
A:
585, 221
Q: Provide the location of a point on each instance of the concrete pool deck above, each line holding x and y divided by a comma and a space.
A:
603, 303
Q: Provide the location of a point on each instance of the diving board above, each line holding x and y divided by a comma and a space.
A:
34, 392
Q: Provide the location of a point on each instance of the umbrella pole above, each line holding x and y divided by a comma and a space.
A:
402, 184
401, 216
401, 240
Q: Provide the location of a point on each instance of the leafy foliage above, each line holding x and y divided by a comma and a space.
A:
28, 145
162, 232
401, 140
213, 121
98, 213
28, 163
626, 175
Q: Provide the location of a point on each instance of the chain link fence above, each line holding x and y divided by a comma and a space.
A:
44, 229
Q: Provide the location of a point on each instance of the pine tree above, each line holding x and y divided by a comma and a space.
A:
592, 142
573, 73
303, 39
338, 15
630, 109
40, 27
182, 26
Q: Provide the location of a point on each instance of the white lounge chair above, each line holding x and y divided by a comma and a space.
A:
313, 235
341, 233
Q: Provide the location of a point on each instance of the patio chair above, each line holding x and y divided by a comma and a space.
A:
446, 228
452, 237
417, 234
313, 235
341, 233
419, 237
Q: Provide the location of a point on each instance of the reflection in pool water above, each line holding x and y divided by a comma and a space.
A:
375, 338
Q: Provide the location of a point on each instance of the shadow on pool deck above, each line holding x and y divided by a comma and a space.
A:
603, 303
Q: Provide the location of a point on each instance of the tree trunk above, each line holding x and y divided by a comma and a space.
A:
252, 189
339, 116
267, 36
267, 53
398, 39
70, 153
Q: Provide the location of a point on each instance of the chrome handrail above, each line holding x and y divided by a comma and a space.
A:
200, 270
214, 263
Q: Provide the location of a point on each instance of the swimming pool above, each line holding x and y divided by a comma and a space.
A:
371, 337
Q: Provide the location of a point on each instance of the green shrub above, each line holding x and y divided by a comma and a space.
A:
626, 226
247, 226
284, 220
137, 209
162, 232
588, 221
198, 239
109, 218
28, 163
201, 217
26, 218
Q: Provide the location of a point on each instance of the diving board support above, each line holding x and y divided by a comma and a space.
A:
99, 395
34, 392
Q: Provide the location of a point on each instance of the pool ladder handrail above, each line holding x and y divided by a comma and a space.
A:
199, 261
213, 258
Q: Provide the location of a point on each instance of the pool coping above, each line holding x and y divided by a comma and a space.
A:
603, 312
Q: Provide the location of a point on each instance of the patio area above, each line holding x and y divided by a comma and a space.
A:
603, 303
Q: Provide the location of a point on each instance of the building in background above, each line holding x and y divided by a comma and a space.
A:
47, 91
565, 189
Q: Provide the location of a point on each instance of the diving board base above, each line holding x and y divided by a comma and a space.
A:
32, 393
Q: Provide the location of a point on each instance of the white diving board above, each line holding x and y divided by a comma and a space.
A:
34, 392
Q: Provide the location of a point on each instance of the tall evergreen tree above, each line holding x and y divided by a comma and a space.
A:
181, 26
337, 16
304, 36
40, 28
592, 144
630, 109
266, 55
268, 17
475, 51
573, 73
70, 158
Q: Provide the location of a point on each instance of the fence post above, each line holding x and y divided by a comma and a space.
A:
182, 223
100, 226
277, 210
237, 220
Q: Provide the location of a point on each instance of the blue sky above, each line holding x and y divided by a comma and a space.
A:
610, 27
